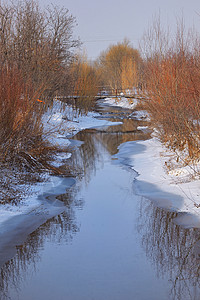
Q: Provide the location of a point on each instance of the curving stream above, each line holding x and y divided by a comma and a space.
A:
109, 243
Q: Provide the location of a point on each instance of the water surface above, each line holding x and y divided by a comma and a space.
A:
109, 243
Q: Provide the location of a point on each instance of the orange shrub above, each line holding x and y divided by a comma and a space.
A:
173, 88
20, 113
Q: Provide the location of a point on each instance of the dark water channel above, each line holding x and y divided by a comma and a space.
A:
109, 244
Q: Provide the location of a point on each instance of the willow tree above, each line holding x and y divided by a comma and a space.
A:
120, 66
84, 82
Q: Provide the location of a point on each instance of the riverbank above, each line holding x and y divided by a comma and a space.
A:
174, 189
60, 125
108, 241
169, 183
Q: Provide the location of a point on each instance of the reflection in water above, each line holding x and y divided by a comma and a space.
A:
63, 227
97, 141
60, 229
171, 249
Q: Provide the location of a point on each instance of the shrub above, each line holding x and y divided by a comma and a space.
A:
20, 115
173, 85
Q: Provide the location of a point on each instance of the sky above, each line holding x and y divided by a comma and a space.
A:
106, 22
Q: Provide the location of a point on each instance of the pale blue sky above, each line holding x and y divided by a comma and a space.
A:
105, 22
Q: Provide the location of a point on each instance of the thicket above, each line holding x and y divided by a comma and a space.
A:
172, 81
36, 50
37, 41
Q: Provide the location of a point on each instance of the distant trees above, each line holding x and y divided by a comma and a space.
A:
84, 82
120, 66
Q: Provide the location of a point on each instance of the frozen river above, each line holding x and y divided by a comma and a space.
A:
109, 243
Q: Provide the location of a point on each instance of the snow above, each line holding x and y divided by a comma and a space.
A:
33, 202
59, 124
175, 189
129, 103
60, 158
141, 115
142, 128
121, 102
155, 182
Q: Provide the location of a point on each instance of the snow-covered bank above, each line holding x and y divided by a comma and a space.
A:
59, 126
128, 103
122, 102
18, 222
174, 191
171, 190
62, 124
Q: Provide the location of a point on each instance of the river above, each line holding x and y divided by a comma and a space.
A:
109, 243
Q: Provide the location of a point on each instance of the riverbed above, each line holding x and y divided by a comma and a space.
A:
108, 243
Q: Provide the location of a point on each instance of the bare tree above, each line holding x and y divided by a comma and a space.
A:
6, 33
39, 41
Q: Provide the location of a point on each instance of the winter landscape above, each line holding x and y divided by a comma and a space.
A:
100, 161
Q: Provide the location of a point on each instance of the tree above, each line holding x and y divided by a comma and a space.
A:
129, 74
85, 82
39, 41
120, 66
